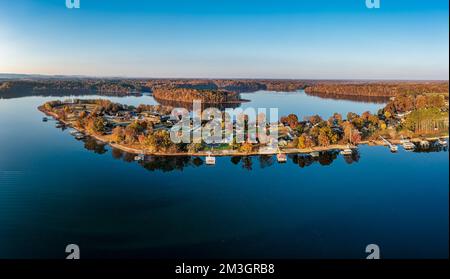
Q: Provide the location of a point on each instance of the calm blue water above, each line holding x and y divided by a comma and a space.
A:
55, 190
303, 105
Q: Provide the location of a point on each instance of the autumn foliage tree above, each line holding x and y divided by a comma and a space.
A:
118, 134
246, 147
95, 125
291, 120
327, 136
315, 119
305, 141
133, 130
158, 141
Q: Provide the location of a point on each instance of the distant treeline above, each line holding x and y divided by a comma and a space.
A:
127, 86
99, 86
238, 86
390, 89
222, 90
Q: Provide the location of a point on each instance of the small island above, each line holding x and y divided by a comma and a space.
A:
188, 95
413, 120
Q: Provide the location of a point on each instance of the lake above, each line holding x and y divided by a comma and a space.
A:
55, 190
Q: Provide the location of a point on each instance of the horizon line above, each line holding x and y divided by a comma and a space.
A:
81, 76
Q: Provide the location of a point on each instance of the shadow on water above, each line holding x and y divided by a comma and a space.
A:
189, 105
179, 163
355, 98
249, 163
95, 146
325, 158
162, 163
434, 147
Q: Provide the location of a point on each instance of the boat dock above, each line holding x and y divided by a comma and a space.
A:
210, 160
407, 144
392, 147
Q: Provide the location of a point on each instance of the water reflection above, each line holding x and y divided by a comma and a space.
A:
60, 125
163, 163
179, 163
434, 147
325, 158
167, 164
266, 161
189, 105
95, 146
356, 98
354, 158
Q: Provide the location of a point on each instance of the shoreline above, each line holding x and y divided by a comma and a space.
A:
225, 153
240, 101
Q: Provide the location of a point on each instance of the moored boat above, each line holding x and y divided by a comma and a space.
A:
407, 145
210, 160
314, 154
347, 151
442, 142
140, 157
394, 148
79, 136
281, 158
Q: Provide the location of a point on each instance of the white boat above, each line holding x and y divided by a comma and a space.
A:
394, 148
408, 145
78, 135
314, 154
347, 151
210, 160
442, 142
140, 157
281, 157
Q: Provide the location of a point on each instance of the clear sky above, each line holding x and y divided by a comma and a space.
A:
318, 39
